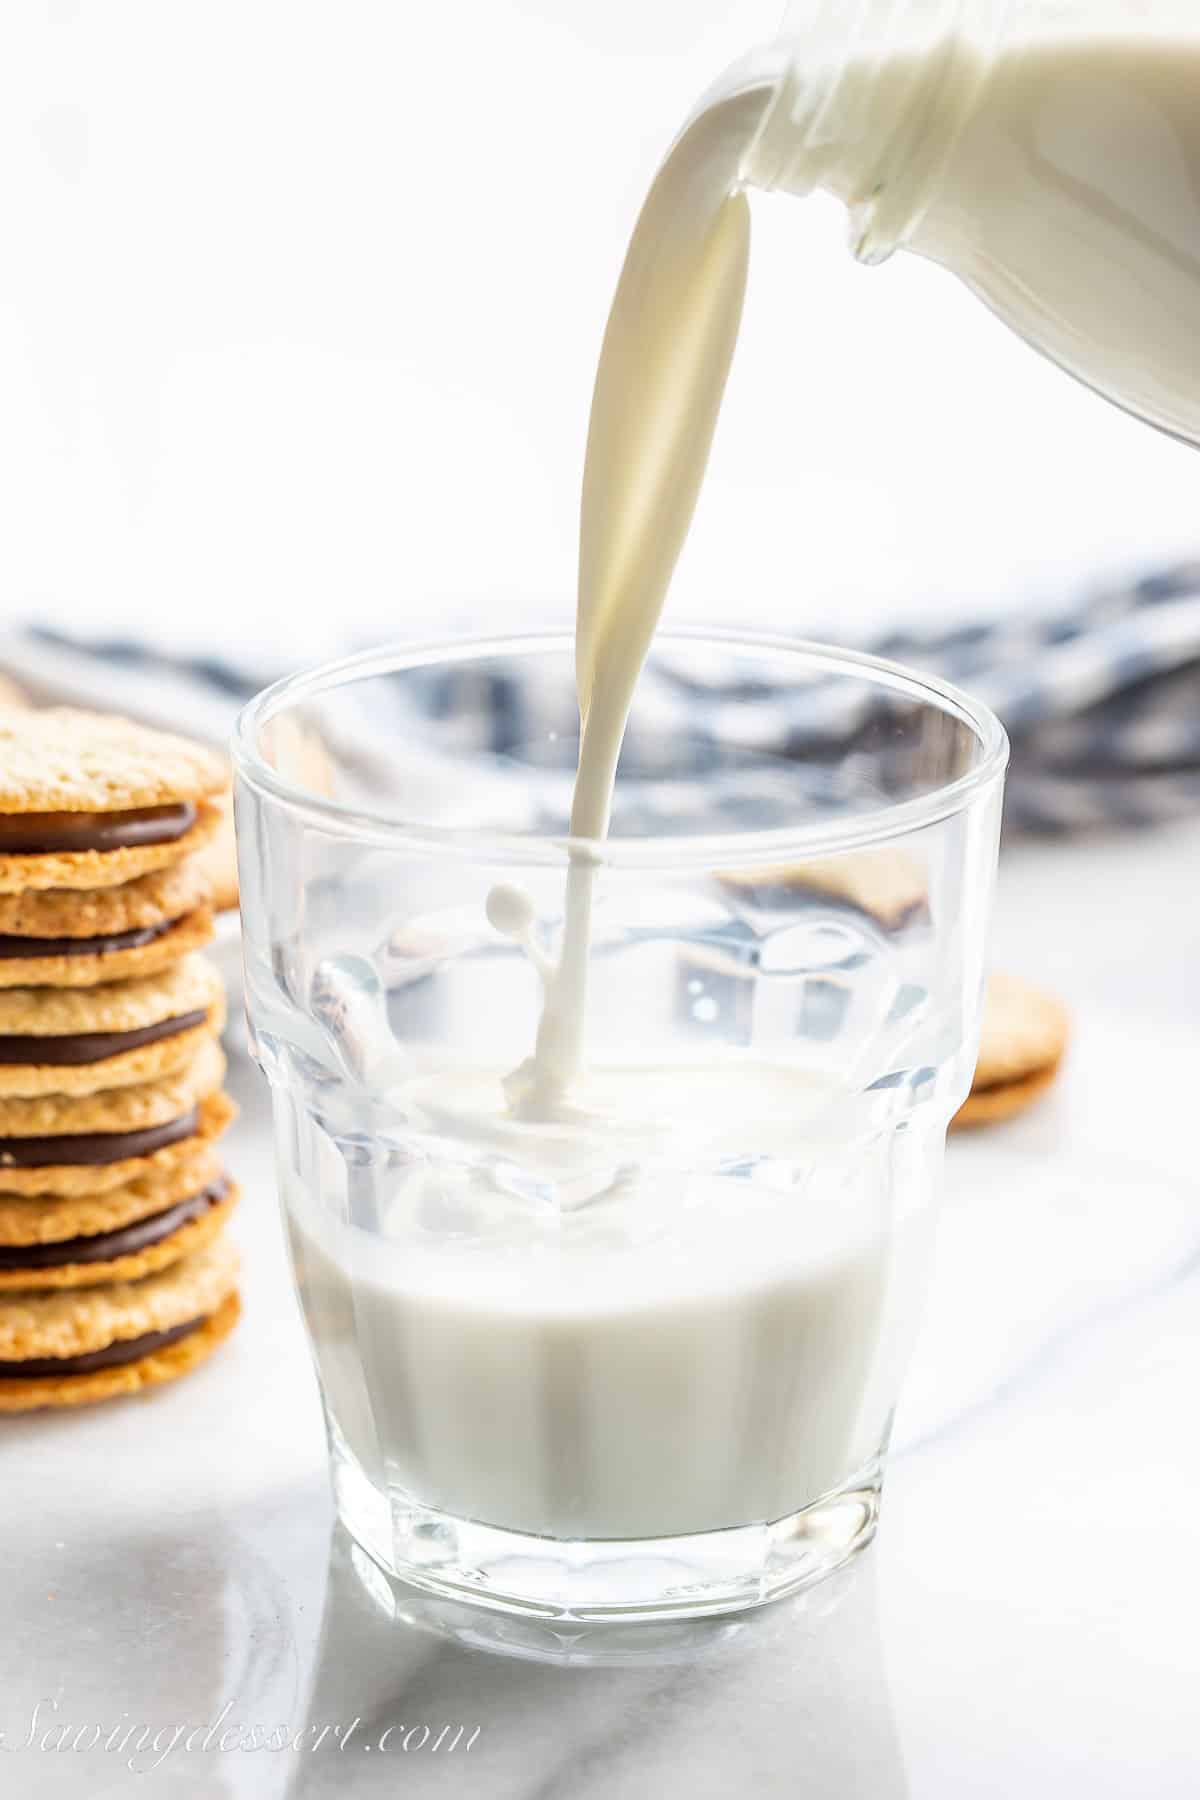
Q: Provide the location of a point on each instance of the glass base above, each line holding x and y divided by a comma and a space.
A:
622, 1579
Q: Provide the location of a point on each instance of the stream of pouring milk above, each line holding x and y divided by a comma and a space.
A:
663, 367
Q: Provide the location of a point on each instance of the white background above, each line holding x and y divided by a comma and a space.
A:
300, 308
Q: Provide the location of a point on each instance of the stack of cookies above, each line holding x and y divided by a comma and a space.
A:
114, 1270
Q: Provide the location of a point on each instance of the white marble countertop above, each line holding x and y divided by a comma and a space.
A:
1024, 1624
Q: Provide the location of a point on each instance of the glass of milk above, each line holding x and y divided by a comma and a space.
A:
635, 1352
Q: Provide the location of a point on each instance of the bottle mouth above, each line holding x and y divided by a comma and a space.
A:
798, 127
867, 112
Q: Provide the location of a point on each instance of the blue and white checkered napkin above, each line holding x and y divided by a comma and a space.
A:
1101, 700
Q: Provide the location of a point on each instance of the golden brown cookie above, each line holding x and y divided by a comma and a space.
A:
83, 1040
92, 800
1024, 1032
218, 859
1021, 1047
78, 1322
887, 884
159, 898
991, 1106
170, 1360
214, 1114
119, 1111
98, 868
80, 962
27, 1219
127, 1254
62, 761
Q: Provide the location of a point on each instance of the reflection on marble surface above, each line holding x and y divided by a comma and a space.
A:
614, 1717
1024, 1623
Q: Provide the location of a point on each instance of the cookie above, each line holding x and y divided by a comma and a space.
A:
162, 897
186, 1350
69, 1325
991, 1106
63, 937
90, 800
176, 1353
45, 1133
218, 859
193, 824
87, 962
60, 761
32, 1219
83, 1040
212, 1115
84, 1344
886, 884
1021, 1047
128, 1253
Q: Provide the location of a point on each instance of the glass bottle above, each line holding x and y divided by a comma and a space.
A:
1045, 151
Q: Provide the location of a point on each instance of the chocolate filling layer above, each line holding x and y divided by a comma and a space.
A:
92, 1149
13, 949
106, 1246
124, 1350
44, 834
92, 1046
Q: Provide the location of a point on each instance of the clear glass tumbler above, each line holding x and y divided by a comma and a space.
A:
640, 1357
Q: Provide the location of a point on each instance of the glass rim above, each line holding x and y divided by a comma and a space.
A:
809, 838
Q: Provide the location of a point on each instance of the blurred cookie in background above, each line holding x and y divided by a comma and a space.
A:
887, 885
1021, 1048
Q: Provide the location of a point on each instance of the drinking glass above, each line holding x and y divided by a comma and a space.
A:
638, 1354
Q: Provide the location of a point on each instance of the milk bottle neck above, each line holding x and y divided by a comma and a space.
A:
866, 102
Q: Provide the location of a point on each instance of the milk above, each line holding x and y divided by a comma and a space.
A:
1084, 161
686, 1354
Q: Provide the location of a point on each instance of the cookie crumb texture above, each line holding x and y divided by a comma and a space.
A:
86, 1319
27, 1219
193, 985
92, 968
115, 1012
139, 1107
186, 1240
215, 1113
40, 1392
158, 898
63, 760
